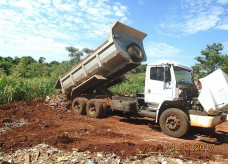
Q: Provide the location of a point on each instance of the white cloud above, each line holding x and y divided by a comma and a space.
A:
33, 46
159, 49
55, 23
191, 16
223, 25
223, 1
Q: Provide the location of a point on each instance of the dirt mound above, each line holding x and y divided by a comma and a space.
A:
25, 124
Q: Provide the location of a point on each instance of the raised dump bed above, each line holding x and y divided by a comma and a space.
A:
122, 52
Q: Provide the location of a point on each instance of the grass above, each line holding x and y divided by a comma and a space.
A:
25, 89
21, 89
134, 84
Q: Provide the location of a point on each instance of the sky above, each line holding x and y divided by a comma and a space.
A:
176, 29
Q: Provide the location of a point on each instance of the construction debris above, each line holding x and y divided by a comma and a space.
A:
49, 154
27, 158
58, 100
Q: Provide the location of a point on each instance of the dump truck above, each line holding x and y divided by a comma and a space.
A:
170, 95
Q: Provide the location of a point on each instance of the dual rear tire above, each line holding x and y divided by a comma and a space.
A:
79, 106
93, 108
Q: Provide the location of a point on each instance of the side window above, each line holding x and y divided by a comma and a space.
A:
157, 73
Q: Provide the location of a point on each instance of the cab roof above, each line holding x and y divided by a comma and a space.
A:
169, 62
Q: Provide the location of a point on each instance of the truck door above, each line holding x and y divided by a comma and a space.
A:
158, 85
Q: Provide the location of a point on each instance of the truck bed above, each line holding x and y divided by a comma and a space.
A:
108, 62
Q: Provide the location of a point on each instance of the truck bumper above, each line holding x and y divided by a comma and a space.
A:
206, 121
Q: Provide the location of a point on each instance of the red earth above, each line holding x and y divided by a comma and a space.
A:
113, 134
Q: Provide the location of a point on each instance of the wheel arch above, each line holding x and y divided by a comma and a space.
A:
170, 104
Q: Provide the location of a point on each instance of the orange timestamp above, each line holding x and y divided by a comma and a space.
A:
190, 147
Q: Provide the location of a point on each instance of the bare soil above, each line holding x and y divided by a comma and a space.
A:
26, 124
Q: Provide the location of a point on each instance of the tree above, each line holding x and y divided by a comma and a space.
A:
209, 61
87, 51
224, 63
29, 60
54, 63
16, 60
76, 55
6, 64
41, 60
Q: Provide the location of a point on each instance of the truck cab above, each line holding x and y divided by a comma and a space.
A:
172, 98
165, 81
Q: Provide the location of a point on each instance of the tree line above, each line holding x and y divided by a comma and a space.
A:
210, 59
28, 67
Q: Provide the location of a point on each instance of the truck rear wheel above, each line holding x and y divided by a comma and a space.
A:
105, 109
174, 122
79, 106
94, 108
135, 52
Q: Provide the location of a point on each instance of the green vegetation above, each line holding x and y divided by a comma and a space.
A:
26, 79
134, 84
17, 89
210, 60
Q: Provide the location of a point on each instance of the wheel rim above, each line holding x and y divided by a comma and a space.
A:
92, 109
77, 106
173, 123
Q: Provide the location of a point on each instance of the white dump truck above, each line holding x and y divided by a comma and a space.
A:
170, 95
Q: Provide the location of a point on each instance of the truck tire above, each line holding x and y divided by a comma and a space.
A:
135, 52
79, 106
85, 100
105, 109
174, 122
94, 108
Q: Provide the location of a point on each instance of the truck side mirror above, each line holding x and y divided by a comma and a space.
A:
167, 74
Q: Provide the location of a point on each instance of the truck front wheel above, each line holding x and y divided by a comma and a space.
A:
94, 108
174, 122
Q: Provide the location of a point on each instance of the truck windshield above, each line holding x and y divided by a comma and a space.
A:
183, 76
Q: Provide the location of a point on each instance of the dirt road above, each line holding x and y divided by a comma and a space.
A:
25, 124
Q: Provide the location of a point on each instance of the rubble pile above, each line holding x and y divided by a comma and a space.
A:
58, 100
44, 153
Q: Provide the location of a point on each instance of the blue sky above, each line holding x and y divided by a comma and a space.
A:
177, 29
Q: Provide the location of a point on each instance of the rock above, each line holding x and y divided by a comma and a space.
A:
11, 161
89, 162
99, 155
74, 160
60, 159
75, 149
47, 98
